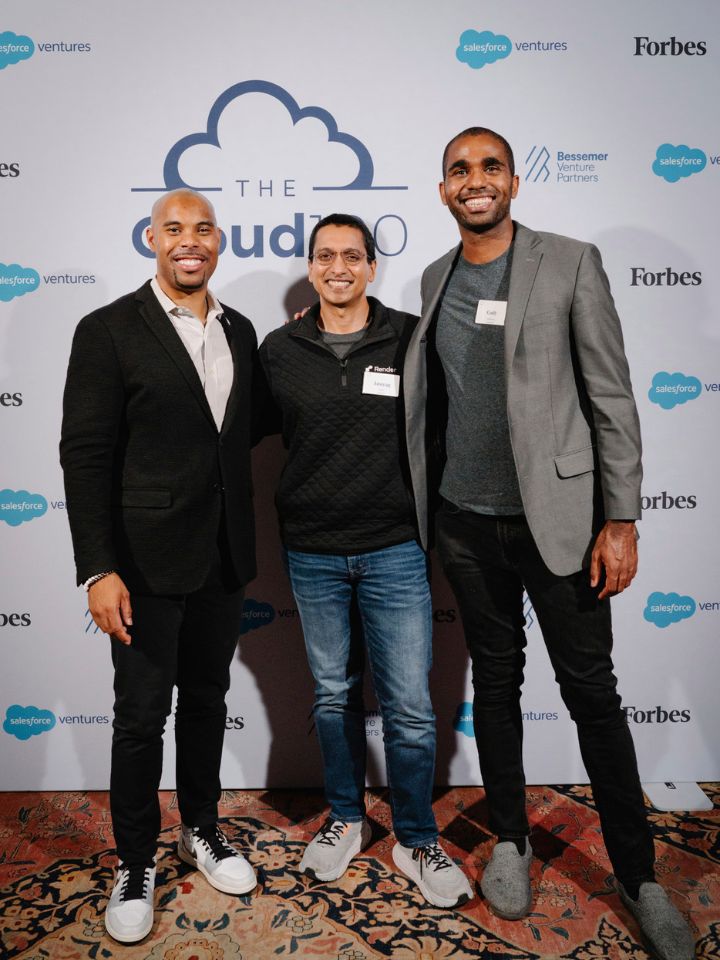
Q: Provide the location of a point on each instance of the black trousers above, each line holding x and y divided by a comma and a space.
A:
185, 641
488, 561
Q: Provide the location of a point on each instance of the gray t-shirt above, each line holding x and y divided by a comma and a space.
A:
480, 473
340, 343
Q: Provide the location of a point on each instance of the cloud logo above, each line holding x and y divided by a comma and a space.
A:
669, 389
463, 721
19, 506
26, 722
476, 49
255, 615
16, 281
210, 137
671, 162
13, 49
665, 608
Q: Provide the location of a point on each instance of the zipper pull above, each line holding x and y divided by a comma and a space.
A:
343, 374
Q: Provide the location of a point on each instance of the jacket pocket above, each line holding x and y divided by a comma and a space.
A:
145, 498
575, 463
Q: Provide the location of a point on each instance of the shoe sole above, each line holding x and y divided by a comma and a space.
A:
506, 914
188, 858
124, 938
431, 897
360, 843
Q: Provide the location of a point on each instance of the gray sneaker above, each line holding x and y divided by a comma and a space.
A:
332, 848
662, 925
441, 881
506, 881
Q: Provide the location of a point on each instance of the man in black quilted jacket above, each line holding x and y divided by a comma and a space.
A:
348, 527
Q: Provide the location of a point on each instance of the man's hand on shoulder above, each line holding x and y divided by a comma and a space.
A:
615, 552
109, 603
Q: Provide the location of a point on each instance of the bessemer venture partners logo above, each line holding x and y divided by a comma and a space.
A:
16, 281
268, 188
19, 506
26, 722
672, 163
478, 48
15, 48
564, 166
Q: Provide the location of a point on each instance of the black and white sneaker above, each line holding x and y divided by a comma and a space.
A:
209, 851
129, 913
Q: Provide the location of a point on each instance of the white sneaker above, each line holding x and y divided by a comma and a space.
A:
129, 913
330, 851
441, 881
209, 851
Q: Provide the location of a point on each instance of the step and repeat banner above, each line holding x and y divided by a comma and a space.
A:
282, 113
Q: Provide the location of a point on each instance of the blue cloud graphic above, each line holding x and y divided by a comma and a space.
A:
255, 615
15, 281
669, 389
171, 173
463, 721
671, 162
476, 49
26, 722
665, 608
19, 506
14, 48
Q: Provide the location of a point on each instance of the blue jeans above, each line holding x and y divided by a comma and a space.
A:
389, 590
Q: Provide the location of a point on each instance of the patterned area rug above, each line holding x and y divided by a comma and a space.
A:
56, 871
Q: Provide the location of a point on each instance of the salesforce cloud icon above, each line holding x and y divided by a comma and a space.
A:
463, 721
14, 48
19, 506
672, 163
669, 389
477, 49
16, 281
665, 608
364, 180
26, 722
255, 615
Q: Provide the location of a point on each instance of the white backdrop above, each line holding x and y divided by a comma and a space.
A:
285, 112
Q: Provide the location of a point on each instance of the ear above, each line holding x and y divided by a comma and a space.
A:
150, 237
372, 271
515, 185
441, 187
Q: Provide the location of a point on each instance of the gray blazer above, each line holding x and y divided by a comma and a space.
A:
574, 426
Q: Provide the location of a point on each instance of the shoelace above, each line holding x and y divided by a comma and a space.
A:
135, 882
216, 840
331, 832
433, 855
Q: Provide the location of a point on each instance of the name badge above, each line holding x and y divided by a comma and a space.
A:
491, 311
381, 381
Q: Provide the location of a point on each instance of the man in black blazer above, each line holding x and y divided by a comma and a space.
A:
155, 451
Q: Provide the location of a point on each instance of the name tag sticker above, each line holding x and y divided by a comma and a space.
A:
491, 311
382, 383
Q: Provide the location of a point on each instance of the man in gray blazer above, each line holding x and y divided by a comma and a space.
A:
521, 424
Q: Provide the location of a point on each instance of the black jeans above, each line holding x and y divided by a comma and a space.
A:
488, 561
185, 641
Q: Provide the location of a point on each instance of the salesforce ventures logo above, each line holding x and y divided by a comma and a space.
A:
255, 615
19, 506
26, 722
479, 48
14, 48
463, 722
16, 281
673, 163
670, 389
665, 608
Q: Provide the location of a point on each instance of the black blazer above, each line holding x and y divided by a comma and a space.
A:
146, 471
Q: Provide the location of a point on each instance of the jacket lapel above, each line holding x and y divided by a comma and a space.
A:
232, 403
527, 254
161, 326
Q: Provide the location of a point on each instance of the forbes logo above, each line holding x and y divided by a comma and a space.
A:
26, 722
16, 281
19, 506
669, 389
478, 49
665, 608
663, 501
656, 715
672, 47
664, 278
255, 615
672, 163
14, 48
15, 620
463, 721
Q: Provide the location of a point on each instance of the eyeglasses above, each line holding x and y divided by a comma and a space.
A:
351, 258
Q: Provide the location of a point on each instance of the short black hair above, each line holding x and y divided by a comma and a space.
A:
481, 132
344, 220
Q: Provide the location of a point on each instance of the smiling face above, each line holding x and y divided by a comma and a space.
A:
478, 185
186, 241
343, 280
